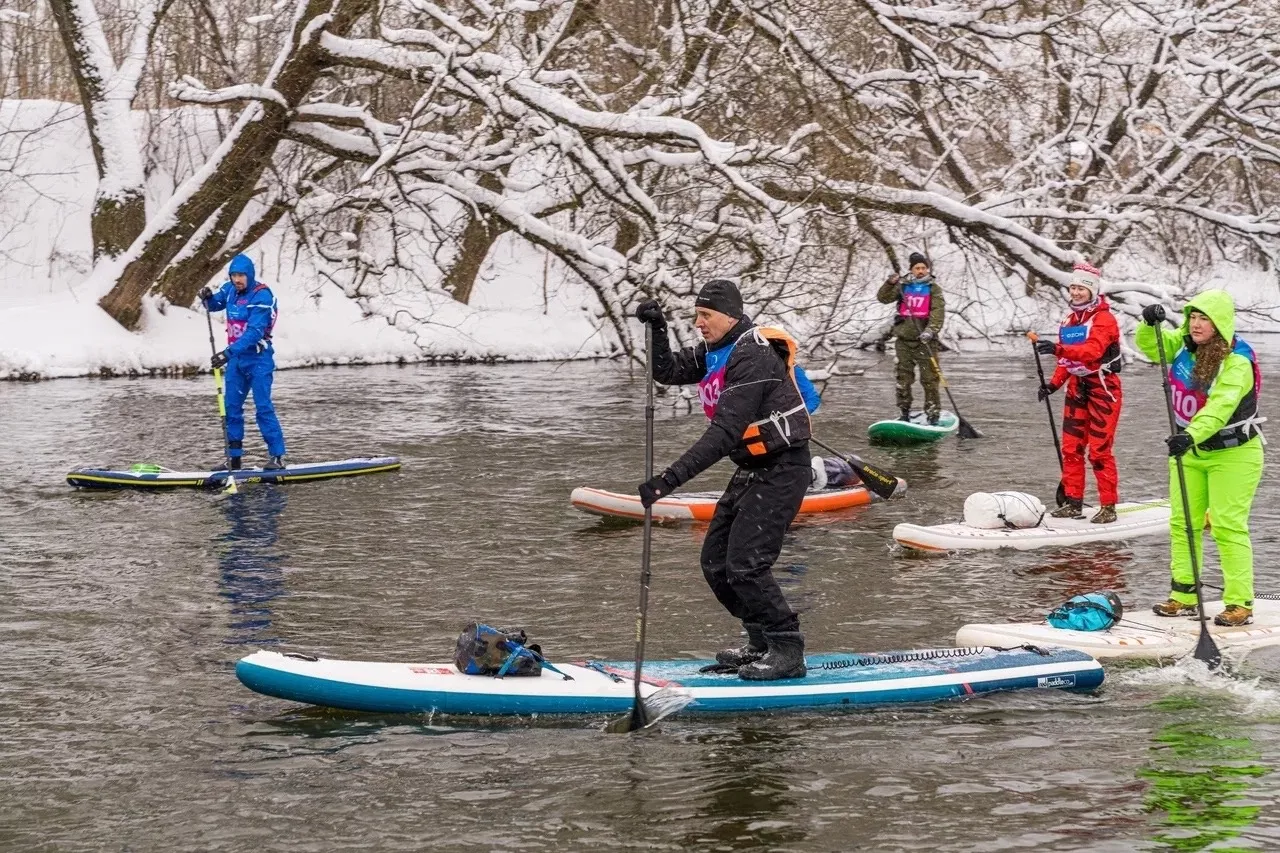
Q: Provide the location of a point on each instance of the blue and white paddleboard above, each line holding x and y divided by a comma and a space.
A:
606, 687
156, 477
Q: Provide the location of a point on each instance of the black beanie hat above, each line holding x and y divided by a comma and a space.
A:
720, 295
917, 258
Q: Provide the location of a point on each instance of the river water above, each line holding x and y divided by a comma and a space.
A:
122, 726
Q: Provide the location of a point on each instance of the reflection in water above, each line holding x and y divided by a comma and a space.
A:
1199, 775
746, 804
251, 571
1092, 569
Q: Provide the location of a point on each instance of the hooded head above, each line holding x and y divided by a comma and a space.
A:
241, 265
1218, 306
917, 258
718, 308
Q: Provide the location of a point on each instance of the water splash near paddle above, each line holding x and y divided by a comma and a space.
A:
657, 707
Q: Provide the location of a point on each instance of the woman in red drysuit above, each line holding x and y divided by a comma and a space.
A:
1088, 352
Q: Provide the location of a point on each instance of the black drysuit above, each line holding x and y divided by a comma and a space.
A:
745, 536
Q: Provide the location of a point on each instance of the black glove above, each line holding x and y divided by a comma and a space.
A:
660, 486
650, 312
1179, 444
205, 294
1043, 392
219, 359
1046, 347
1153, 315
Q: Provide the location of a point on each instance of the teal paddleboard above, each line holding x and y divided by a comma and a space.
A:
914, 431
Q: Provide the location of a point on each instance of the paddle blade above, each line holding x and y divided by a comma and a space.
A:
1206, 649
967, 430
633, 722
231, 488
657, 706
882, 482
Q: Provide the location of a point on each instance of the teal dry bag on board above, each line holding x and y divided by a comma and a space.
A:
1093, 611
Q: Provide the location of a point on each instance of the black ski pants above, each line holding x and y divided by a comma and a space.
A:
745, 538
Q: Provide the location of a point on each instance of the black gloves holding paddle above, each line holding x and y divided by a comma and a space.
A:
205, 294
1153, 315
649, 311
1046, 347
1179, 444
219, 359
1043, 392
658, 487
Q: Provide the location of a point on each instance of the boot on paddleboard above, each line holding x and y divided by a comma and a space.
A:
906, 415
1234, 616
749, 652
1174, 608
225, 464
1105, 515
1071, 509
784, 658
275, 463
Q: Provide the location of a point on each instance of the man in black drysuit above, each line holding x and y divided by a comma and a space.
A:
747, 384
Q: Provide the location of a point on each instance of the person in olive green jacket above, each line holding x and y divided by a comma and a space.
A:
1215, 382
921, 312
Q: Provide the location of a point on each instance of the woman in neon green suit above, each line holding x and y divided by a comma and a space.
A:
1215, 380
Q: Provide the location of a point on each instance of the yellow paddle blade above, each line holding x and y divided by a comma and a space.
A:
231, 488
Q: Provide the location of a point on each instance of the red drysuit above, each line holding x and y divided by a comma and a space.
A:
1088, 354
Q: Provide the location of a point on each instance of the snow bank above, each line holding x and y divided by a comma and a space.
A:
51, 325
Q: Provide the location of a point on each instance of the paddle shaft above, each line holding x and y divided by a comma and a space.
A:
1206, 649
217, 384
639, 718
967, 429
1048, 404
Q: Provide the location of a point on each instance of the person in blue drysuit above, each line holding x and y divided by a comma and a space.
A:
249, 357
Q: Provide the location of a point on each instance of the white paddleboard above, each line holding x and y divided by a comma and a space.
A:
1138, 518
1142, 634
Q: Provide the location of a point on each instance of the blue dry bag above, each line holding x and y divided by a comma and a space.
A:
1093, 611
484, 650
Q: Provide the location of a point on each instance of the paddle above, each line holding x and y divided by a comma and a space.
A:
639, 716
222, 408
1060, 495
966, 429
882, 482
1206, 648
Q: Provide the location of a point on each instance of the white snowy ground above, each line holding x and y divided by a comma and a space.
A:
522, 309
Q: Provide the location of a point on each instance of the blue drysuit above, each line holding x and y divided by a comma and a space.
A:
251, 316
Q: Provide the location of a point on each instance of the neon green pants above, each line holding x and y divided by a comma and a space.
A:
1221, 482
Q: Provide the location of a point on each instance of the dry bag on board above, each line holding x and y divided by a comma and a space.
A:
484, 650
994, 510
1093, 611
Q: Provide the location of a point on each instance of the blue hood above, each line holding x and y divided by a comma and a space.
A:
242, 264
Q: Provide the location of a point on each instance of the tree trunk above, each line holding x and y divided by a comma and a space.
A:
477, 239
241, 161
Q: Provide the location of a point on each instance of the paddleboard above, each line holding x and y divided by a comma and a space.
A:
606, 687
914, 431
1138, 635
700, 506
1138, 518
155, 477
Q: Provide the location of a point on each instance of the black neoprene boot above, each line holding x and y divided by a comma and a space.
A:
749, 652
784, 659
274, 464
234, 462
906, 415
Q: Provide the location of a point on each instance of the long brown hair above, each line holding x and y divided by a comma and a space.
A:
1209, 358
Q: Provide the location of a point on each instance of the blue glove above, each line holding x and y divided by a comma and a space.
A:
219, 359
1179, 444
658, 487
1046, 347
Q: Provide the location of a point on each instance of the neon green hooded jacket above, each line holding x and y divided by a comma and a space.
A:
1235, 377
